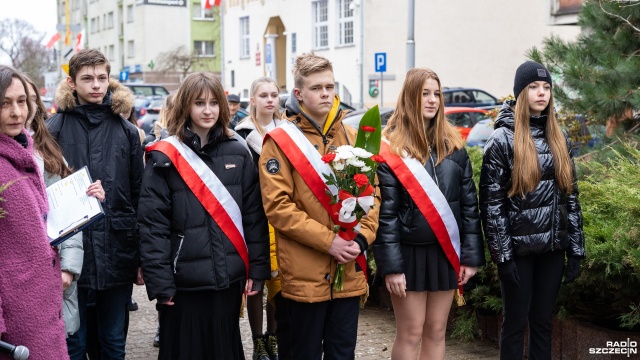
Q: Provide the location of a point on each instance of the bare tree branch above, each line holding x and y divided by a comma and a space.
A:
178, 58
22, 43
618, 17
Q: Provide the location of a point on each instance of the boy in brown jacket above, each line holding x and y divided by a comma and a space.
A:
312, 317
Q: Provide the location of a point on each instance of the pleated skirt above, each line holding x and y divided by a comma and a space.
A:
202, 325
427, 268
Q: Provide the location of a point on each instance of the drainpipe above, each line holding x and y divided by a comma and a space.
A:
411, 44
362, 82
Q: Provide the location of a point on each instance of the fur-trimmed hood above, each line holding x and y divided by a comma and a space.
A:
118, 96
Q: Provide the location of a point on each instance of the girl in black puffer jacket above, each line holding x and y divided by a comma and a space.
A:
530, 212
202, 226
421, 261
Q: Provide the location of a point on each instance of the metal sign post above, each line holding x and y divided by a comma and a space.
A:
381, 67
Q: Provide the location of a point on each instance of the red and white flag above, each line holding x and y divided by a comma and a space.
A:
208, 4
54, 39
79, 39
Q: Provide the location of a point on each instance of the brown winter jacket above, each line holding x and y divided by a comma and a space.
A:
304, 230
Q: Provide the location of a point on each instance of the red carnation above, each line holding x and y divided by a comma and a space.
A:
378, 158
361, 179
327, 158
367, 128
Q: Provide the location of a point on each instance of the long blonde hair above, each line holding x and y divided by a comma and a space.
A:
254, 111
406, 130
161, 123
526, 173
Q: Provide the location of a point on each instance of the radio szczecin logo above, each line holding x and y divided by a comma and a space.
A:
628, 347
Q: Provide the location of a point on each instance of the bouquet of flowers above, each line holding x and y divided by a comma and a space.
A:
354, 170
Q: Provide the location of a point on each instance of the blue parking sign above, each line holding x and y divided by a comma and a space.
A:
381, 62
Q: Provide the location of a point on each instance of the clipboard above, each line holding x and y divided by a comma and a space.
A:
70, 209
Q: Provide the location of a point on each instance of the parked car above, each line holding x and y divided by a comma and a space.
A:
353, 118
463, 118
480, 133
147, 121
140, 89
50, 105
141, 105
469, 97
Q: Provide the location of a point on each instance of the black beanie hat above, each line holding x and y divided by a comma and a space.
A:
527, 73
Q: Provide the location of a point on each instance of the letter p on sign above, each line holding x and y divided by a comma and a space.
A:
381, 62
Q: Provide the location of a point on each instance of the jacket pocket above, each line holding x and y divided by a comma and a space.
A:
126, 227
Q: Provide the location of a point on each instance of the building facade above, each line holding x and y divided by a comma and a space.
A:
468, 43
151, 41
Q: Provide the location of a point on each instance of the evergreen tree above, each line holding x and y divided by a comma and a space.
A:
598, 74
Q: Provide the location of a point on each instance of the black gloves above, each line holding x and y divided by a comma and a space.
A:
573, 269
508, 273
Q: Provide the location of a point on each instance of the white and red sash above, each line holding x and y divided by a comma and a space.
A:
430, 201
307, 161
209, 190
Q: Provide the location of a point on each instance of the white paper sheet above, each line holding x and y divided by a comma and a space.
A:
69, 205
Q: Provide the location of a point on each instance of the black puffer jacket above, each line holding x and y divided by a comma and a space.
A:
401, 222
182, 247
546, 219
96, 136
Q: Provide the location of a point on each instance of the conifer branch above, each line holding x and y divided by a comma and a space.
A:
618, 16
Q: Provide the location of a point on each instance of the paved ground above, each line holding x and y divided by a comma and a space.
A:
376, 332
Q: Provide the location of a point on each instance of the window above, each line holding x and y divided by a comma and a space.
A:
320, 24
294, 43
93, 25
110, 20
104, 21
233, 78
482, 97
244, 37
97, 23
204, 48
199, 12
131, 49
112, 52
345, 22
129, 13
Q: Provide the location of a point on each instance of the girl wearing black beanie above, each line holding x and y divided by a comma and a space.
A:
530, 212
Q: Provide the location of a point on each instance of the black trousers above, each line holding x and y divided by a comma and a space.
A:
307, 330
533, 303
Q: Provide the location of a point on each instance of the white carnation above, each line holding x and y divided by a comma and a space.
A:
344, 152
338, 166
355, 162
365, 168
361, 153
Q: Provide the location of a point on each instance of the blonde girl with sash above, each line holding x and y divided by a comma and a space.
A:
429, 241
203, 231
264, 116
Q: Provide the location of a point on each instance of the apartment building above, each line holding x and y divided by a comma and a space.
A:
467, 42
151, 41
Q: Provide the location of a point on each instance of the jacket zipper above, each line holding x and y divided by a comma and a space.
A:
553, 217
175, 261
